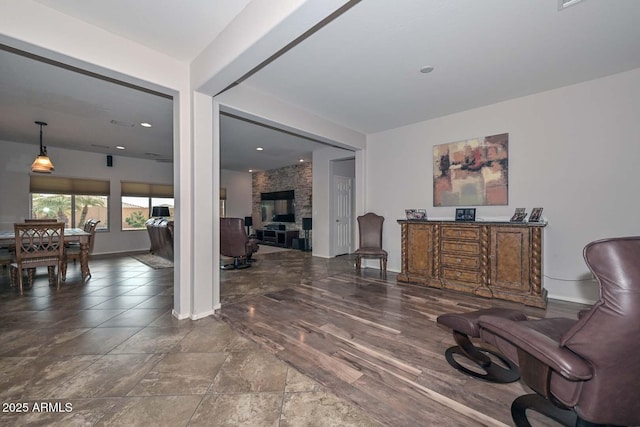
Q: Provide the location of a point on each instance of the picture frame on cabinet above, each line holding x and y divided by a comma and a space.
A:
465, 214
536, 215
519, 215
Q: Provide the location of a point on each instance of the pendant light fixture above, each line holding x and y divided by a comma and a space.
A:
42, 163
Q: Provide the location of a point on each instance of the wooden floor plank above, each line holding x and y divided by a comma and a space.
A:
376, 342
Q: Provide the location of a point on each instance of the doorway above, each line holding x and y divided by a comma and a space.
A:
342, 198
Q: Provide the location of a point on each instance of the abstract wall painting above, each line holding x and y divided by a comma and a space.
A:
474, 172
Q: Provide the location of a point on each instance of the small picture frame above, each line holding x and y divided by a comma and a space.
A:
519, 215
421, 214
536, 215
410, 213
465, 214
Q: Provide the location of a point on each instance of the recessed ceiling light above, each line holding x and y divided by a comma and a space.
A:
301, 160
259, 149
119, 147
426, 69
145, 125
250, 170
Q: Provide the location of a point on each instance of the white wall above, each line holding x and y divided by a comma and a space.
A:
239, 192
573, 151
15, 165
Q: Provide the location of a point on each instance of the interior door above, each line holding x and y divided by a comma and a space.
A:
342, 214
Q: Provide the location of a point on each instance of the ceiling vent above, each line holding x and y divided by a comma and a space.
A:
563, 4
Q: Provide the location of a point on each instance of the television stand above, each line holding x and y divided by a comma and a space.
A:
282, 238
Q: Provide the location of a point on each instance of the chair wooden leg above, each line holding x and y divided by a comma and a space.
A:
19, 272
31, 274
63, 270
51, 271
12, 275
358, 262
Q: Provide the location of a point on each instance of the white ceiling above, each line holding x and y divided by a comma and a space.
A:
361, 70
181, 29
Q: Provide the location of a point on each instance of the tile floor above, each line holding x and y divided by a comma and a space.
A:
109, 353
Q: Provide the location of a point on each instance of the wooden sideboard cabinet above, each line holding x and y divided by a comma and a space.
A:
490, 259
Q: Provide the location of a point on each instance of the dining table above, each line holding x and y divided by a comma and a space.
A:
8, 239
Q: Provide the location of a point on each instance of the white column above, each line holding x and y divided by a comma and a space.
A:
206, 193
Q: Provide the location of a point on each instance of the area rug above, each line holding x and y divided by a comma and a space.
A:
153, 261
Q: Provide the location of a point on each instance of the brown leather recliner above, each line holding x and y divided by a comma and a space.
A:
235, 243
585, 372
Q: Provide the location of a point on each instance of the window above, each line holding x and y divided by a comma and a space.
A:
138, 200
70, 200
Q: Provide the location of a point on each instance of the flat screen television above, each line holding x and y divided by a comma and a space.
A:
278, 206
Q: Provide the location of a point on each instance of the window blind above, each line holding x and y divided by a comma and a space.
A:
59, 185
142, 189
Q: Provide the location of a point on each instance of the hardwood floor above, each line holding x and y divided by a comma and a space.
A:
374, 342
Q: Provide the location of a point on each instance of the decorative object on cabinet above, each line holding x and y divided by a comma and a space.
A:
472, 172
536, 215
416, 214
466, 214
500, 260
421, 214
519, 215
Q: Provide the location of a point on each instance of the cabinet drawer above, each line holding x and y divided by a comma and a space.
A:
470, 233
465, 248
461, 275
460, 261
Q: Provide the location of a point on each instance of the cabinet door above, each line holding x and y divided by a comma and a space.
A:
420, 253
510, 247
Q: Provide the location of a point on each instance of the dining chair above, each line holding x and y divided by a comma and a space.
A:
370, 232
37, 244
74, 251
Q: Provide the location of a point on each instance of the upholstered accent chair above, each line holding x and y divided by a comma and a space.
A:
235, 243
370, 232
584, 371
72, 252
38, 245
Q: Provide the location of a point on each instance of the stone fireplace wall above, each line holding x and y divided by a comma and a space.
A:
296, 177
